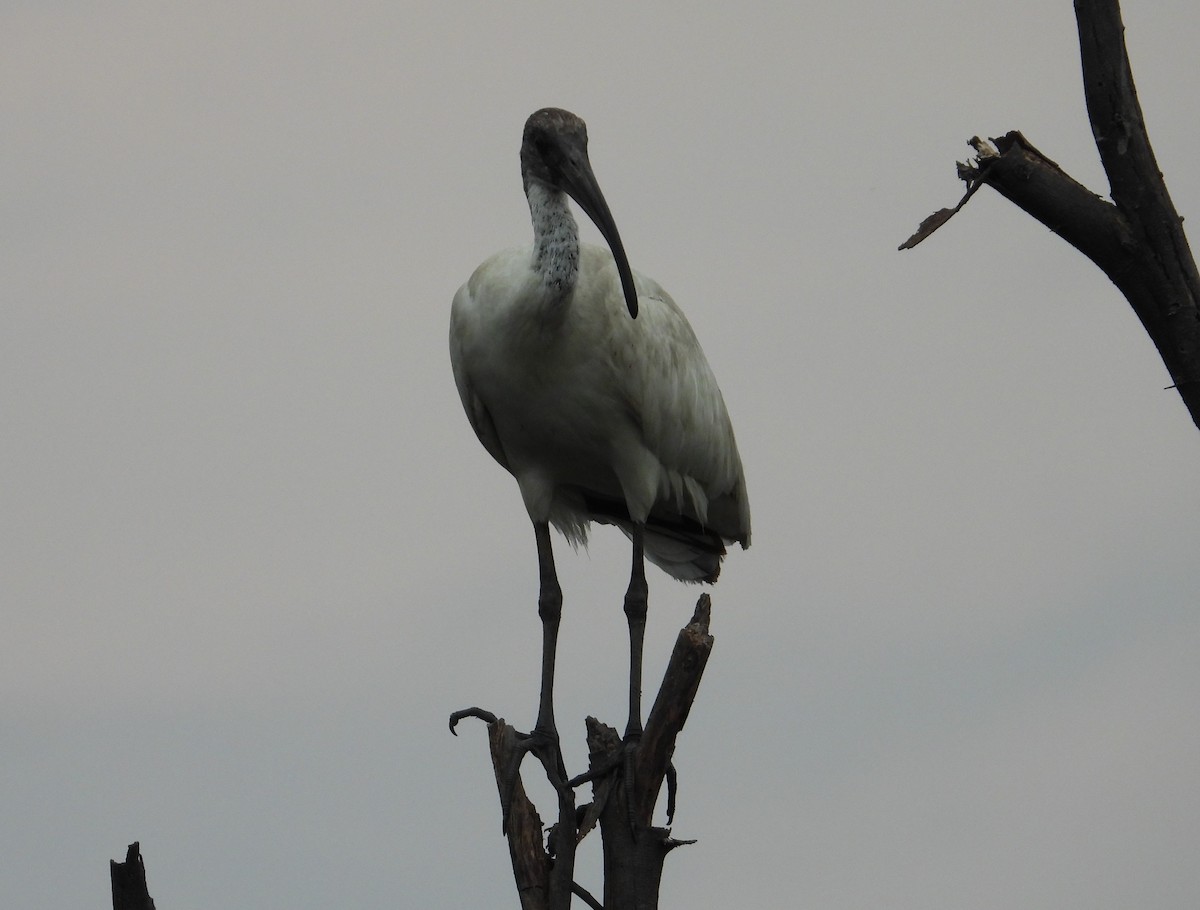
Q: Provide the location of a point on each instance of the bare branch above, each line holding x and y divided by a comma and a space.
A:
626, 777
671, 708
586, 896
129, 890
1137, 239
967, 172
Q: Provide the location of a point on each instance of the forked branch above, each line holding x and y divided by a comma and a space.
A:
626, 778
1138, 238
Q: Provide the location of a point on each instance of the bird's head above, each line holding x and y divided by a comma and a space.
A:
554, 152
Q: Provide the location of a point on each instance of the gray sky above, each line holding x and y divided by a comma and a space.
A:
252, 555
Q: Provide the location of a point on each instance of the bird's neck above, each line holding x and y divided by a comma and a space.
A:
555, 240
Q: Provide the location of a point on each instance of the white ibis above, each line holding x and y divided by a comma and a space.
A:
584, 380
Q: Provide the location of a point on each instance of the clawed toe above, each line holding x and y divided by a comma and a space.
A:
544, 745
481, 714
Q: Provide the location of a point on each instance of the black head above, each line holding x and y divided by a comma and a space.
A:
554, 153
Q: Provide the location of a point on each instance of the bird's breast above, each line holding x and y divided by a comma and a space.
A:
546, 371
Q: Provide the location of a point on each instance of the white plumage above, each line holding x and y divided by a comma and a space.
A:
582, 403
585, 381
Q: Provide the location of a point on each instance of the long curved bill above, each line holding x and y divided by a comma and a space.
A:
580, 184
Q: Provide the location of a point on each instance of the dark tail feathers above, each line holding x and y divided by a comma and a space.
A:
682, 548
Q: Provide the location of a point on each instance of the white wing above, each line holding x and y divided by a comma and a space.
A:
477, 413
674, 398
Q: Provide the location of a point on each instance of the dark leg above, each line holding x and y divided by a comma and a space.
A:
635, 612
550, 611
542, 741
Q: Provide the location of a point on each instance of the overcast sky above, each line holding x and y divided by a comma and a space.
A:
251, 554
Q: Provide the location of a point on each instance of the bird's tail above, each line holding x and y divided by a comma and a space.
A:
687, 556
681, 547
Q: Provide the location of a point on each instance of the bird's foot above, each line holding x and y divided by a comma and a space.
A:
617, 765
629, 750
510, 751
480, 713
543, 743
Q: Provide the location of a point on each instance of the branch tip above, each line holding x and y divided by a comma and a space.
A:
670, 843
584, 895
983, 148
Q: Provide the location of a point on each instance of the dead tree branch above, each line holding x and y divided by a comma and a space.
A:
129, 881
1138, 238
626, 778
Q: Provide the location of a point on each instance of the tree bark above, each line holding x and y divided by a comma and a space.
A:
634, 849
1138, 238
129, 881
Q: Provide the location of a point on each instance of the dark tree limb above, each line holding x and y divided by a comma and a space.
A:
626, 778
586, 896
1138, 238
634, 850
530, 861
671, 708
129, 881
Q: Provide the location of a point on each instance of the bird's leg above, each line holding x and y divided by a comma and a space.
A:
542, 741
635, 612
550, 612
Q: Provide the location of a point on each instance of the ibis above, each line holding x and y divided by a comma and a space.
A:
583, 379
